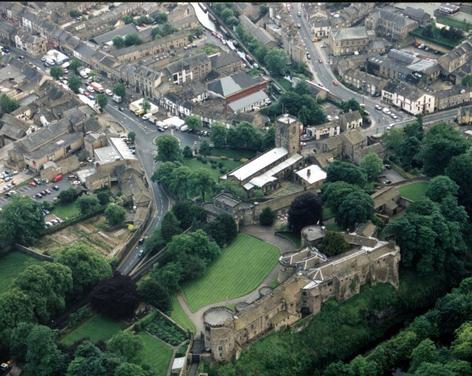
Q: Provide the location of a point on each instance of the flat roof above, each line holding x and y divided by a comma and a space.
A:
316, 174
253, 167
107, 154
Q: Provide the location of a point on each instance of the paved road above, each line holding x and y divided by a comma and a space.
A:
323, 74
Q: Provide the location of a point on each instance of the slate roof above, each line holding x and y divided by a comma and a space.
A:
230, 85
358, 32
187, 63
222, 60
12, 127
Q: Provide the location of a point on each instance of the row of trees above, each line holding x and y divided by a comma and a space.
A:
436, 343
243, 136
299, 102
163, 31
131, 39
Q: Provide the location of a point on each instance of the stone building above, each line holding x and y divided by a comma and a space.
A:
409, 98
349, 40
456, 96
310, 278
391, 25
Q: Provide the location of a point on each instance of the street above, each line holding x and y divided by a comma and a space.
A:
323, 74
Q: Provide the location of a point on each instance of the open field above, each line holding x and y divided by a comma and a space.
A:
178, 315
155, 353
239, 270
11, 264
97, 328
414, 191
92, 231
67, 211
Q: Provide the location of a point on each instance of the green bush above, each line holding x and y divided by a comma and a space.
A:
166, 330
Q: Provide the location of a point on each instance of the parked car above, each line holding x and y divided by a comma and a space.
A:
378, 107
141, 253
56, 187
108, 92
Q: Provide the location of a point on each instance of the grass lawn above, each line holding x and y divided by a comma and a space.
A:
214, 172
178, 315
414, 191
232, 153
239, 270
11, 264
67, 211
97, 328
155, 353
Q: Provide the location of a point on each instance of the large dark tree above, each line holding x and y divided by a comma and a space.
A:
153, 292
115, 297
345, 171
305, 210
460, 170
170, 227
222, 229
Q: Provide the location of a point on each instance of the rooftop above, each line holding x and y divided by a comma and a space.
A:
230, 85
358, 32
263, 161
269, 176
248, 100
312, 174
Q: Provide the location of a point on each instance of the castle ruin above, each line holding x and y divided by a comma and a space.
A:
309, 279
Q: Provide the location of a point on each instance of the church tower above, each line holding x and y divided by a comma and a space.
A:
287, 133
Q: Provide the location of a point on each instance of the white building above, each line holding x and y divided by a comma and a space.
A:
408, 98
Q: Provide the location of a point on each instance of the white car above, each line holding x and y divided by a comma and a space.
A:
81, 90
108, 92
76, 182
90, 89
378, 107
386, 110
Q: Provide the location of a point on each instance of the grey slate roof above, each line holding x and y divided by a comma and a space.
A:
219, 61
12, 127
229, 85
186, 63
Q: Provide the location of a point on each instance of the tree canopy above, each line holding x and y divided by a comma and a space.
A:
305, 210
115, 214
372, 165
168, 149
347, 172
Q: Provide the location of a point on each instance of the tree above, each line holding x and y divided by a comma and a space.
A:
244, 136
356, 208
155, 242
195, 243
43, 358
187, 213
263, 10
18, 340
267, 217
74, 65
126, 345
467, 80
118, 42
425, 352
115, 297
74, 13
440, 187
333, 194
68, 195
333, 244
305, 210
180, 182
351, 105
102, 101
88, 204
193, 122
222, 229
345, 171
202, 181
88, 267
129, 369
372, 165
160, 18
15, 307
187, 152
153, 292
115, 214
218, 135
205, 148
56, 72
74, 83
119, 89
445, 138
164, 173
21, 221
132, 39
276, 62
268, 140
460, 171
7, 104
168, 149
132, 136
170, 226
462, 345
127, 19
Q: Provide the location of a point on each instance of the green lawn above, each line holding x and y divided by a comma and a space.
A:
11, 264
67, 211
414, 191
232, 153
178, 315
97, 328
214, 172
239, 270
155, 353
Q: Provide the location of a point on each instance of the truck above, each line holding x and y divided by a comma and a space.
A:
97, 87
117, 98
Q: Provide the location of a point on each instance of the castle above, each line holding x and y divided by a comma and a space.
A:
309, 279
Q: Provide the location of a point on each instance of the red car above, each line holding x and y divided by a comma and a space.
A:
335, 83
32, 183
58, 178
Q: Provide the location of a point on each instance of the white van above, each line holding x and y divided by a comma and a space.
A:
184, 128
